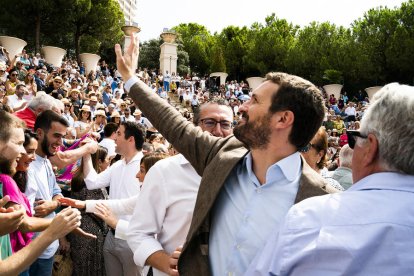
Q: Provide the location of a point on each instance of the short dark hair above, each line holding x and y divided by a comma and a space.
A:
304, 99
46, 118
109, 129
215, 100
133, 129
20, 85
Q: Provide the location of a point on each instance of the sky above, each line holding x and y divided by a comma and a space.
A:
153, 17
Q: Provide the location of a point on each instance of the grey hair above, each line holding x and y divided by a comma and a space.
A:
390, 119
42, 101
58, 105
345, 156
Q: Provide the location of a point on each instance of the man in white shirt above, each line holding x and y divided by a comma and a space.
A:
42, 189
166, 202
108, 141
16, 101
120, 177
350, 111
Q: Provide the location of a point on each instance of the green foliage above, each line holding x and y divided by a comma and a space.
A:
378, 48
149, 54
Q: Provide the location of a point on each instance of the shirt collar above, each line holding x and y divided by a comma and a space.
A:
385, 181
137, 157
40, 158
289, 167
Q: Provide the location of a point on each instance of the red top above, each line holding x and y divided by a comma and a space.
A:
28, 116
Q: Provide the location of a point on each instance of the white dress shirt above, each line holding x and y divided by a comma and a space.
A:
41, 184
366, 230
165, 209
110, 145
121, 177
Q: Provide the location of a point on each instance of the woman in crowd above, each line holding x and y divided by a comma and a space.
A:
86, 254
116, 118
83, 125
315, 156
30, 86
12, 82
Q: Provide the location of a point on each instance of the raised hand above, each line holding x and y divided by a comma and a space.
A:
128, 62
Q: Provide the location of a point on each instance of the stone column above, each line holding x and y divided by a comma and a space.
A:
128, 30
168, 56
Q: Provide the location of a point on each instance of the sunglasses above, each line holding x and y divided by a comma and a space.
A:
351, 137
13, 75
67, 105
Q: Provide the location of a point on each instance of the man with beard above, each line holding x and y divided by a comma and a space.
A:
11, 147
251, 179
42, 189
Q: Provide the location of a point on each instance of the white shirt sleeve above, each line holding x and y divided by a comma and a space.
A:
96, 181
148, 217
118, 206
129, 83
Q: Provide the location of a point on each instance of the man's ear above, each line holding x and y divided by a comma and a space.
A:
371, 149
283, 119
39, 133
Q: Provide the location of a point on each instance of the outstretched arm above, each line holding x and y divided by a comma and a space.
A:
198, 147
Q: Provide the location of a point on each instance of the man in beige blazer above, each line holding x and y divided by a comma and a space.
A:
228, 226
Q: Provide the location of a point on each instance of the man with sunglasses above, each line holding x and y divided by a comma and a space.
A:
55, 88
369, 229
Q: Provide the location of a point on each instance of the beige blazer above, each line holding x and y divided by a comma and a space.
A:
213, 158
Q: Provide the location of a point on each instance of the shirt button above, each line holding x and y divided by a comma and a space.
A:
259, 190
238, 246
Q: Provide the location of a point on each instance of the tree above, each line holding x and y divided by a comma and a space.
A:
149, 54
101, 19
196, 41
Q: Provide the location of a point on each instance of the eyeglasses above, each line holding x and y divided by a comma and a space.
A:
67, 105
58, 82
351, 137
211, 123
13, 75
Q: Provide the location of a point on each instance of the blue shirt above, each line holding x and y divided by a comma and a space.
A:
366, 230
246, 212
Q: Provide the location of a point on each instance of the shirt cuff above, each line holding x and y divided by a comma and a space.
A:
121, 229
129, 83
90, 205
147, 248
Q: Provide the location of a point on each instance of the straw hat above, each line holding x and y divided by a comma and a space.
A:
100, 112
137, 112
65, 101
115, 114
93, 99
86, 108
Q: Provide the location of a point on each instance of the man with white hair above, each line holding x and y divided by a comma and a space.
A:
343, 174
368, 229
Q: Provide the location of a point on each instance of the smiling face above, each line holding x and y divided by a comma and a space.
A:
254, 128
12, 151
28, 157
51, 140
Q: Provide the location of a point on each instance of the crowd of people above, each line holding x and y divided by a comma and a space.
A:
131, 172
